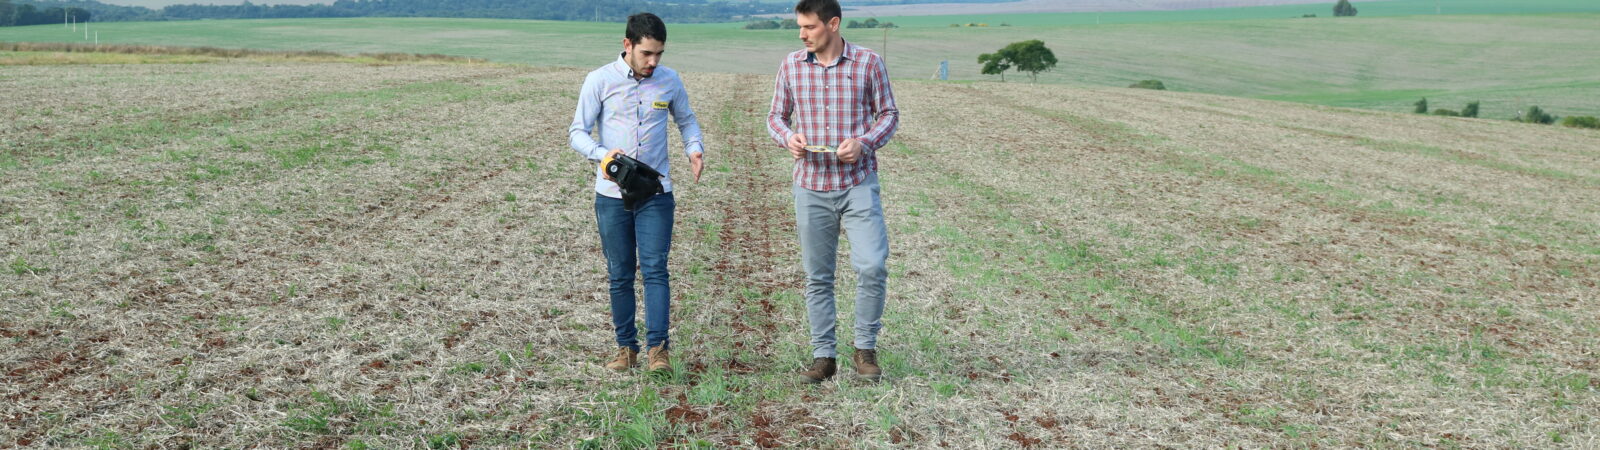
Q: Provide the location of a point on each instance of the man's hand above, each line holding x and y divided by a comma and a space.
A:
697, 161
797, 145
611, 154
850, 151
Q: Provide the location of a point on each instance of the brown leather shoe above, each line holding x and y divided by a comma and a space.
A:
659, 361
821, 369
866, 364
624, 360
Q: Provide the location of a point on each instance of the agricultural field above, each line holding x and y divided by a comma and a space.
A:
1505, 56
258, 252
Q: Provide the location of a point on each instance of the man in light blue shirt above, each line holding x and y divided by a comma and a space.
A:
630, 101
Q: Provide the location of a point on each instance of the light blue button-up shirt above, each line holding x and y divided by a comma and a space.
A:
632, 115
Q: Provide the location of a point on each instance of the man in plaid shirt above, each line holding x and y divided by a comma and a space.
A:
832, 108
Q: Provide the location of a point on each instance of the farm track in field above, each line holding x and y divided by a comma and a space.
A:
750, 230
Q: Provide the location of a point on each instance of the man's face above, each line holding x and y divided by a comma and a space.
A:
815, 33
643, 56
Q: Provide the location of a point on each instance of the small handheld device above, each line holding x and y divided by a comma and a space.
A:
637, 180
820, 149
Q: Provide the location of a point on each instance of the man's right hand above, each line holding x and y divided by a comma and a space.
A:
609, 155
797, 145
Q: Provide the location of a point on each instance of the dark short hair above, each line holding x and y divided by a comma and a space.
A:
825, 10
645, 25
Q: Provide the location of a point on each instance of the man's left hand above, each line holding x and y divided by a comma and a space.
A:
697, 162
850, 151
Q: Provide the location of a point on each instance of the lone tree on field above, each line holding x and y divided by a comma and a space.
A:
1344, 9
1422, 106
1029, 56
995, 64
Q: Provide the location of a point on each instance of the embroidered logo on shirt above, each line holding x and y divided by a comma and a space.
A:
659, 105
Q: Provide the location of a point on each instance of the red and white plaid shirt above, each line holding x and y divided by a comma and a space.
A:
851, 99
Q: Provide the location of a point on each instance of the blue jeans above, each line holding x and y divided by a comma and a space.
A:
638, 238
819, 217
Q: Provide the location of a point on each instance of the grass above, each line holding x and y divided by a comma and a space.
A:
20, 266
1161, 268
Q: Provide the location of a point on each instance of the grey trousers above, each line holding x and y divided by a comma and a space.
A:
819, 216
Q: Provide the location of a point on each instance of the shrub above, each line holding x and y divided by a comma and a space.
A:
1471, 110
1149, 84
1581, 122
1344, 9
1535, 115
1422, 106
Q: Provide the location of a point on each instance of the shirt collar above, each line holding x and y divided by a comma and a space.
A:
623, 68
849, 53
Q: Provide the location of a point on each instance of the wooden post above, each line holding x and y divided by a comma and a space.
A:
885, 42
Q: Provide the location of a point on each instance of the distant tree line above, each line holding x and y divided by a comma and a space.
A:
28, 14
787, 24
870, 23
790, 24
590, 10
